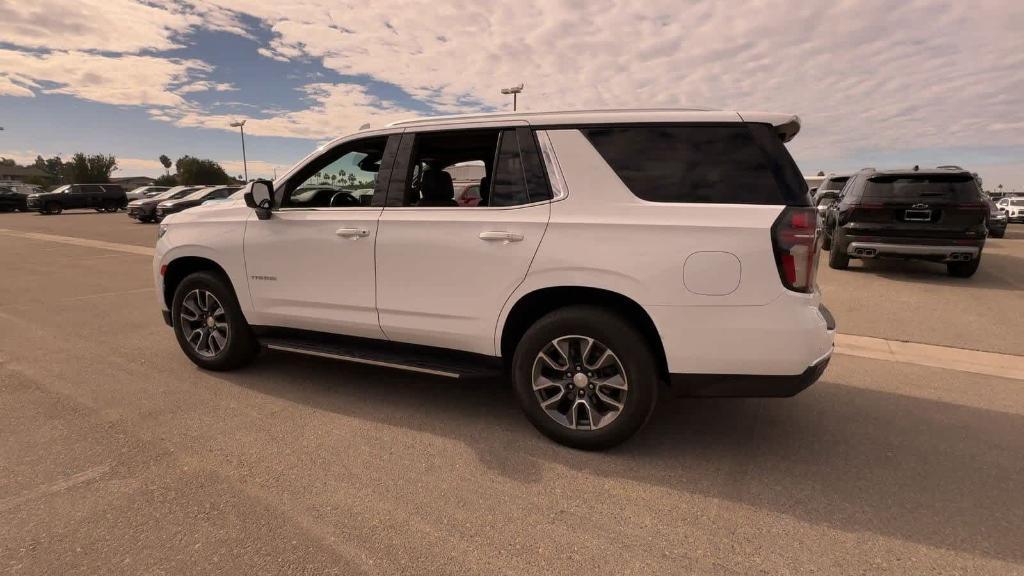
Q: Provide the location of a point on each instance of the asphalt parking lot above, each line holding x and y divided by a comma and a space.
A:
118, 456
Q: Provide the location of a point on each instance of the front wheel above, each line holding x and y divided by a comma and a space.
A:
209, 324
53, 208
585, 377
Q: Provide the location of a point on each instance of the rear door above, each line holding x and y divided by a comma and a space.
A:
920, 205
445, 269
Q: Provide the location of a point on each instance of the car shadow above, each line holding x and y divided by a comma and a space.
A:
849, 458
919, 271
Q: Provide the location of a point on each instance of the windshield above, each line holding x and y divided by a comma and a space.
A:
835, 183
63, 188
198, 194
175, 193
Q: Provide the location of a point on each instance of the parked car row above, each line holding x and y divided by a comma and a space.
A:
176, 199
146, 203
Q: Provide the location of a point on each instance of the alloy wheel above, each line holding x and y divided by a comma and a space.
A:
579, 382
204, 323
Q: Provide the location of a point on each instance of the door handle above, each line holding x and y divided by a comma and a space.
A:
354, 233
506, 237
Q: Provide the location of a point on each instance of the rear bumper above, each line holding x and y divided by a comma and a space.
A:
939, 252
746, 385
781, 338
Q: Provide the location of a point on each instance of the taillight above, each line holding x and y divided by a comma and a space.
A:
795, 240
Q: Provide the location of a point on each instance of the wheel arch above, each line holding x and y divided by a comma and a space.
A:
181, 267
531, 306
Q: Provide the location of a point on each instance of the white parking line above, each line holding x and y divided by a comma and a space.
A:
59, 486
85, 242
988, 363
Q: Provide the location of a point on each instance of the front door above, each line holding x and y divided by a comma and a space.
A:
445, 268
311, 264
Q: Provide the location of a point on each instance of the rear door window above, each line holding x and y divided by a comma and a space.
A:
725, 164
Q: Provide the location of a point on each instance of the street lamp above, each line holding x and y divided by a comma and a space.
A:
241, 129
514, 91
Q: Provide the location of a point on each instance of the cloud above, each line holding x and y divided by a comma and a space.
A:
334, 109
9, 88
205, 86
124, 80
108, 25
863, 74
860, 72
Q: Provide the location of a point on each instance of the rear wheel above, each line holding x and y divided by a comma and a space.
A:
209, 324
838, 259
110, 206
585, 377
998, 234
963, 269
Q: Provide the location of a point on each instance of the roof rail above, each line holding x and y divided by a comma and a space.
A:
539, 113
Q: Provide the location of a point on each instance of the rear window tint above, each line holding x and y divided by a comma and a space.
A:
961, 188
726, 164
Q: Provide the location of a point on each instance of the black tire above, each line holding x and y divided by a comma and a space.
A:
613, 332
999, 234
826, 241
838, 259
53, 208
110, 206
963, 269
240, 347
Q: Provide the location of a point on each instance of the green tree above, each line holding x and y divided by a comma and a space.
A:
193, 171
7, 162
92, 168
166, 180
166, 162
54, 168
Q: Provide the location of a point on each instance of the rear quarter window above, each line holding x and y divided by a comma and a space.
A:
725, 164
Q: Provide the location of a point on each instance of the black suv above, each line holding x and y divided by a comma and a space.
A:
100, 197
11, 200
935, 215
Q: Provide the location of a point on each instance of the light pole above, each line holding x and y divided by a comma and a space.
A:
241, 129
514, 91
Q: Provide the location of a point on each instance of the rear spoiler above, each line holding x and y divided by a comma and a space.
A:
787, 126
789, 129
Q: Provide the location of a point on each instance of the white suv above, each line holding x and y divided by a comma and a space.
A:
609, 253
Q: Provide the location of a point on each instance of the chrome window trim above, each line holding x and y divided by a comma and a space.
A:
559, 190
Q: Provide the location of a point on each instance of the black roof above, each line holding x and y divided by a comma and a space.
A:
918, 172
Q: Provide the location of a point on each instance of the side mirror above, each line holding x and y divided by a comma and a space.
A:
259, 195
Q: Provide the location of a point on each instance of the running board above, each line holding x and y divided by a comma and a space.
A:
412, 358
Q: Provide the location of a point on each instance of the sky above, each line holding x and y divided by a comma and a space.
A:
876, 83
